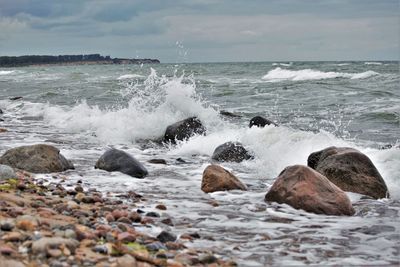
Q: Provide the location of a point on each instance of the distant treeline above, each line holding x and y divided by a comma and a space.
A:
6, 61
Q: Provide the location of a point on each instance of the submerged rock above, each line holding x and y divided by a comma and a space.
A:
303, 188
118, 160
229, 114
6, 172
216, 178
183, 130
350, 170
231, 151
260, 122
36, 158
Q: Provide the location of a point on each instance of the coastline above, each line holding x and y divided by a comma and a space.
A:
45, 224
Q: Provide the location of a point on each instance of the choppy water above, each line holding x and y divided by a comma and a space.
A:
85, 109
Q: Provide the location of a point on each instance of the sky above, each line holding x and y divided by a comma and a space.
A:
204, 30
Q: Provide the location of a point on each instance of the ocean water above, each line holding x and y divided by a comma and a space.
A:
83, 110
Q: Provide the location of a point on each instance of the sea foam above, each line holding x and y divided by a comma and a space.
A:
279, 74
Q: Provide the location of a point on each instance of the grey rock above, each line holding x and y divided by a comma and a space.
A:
165, 236
118, 160
6, 172
41, 245
260, 122
36, 158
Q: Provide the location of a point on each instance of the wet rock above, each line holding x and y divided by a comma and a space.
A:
260, 122
7, 225
2, 130
78, 189
229, 114
124, 220
165, 236
216, 178
6, 172
156, 246
153, 214
41, 245
161, 207
118, 160
350, 170
135, 217
303, 188
231, 151
207, 259
15, 98
158, 161
13, 237
36, 158
168, 221
126, 237
183, 130
126, 261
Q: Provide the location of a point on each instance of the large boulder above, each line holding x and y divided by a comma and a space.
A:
303, 188
260, 122
118, 160
216, 178
350, 170
231, 151
183, 130
36, 158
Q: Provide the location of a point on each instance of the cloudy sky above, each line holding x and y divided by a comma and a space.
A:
204, 30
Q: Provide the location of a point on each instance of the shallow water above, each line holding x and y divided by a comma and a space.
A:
85, 109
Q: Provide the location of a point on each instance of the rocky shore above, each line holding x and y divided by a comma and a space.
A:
55, 223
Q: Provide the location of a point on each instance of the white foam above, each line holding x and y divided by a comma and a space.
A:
7, 72
283, 64
373, 63
129, 76
279, 74
153, 105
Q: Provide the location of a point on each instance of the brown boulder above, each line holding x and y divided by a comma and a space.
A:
303, 188
350, 170
36, 158
216, 178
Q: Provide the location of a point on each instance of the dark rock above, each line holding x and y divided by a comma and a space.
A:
153, 214
156, 246
36, 159
183, 130
15, 98
6, 225
158, 161
229, 114
216, 178
118, 160
165, 236
303, 188
260, 122
350, 170
1, 111
231, 151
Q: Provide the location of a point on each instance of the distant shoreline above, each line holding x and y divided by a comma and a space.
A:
91, 59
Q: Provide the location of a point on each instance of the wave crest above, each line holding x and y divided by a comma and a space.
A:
279, 74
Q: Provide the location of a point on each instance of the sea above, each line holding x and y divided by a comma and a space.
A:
86, 109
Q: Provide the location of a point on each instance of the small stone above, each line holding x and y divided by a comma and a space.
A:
12, 237
72, 205
69, 233
207, 258
126, 237
167, 221
158, 161
156, 246
124, 220
79, 196
126, 261
21, 186
110, 218
6, 225
40, 245
153, 214
161, 207
102, 249
78, 189
6, 250
55, 253
135, 217
165, 236
6, 172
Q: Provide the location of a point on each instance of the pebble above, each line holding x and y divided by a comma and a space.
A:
161, 207
54, 253
153, 214
126, 237
126, 261
167, 221
165, 236
207, 258
40, 246
12, 237
27, 223
124, 220
6, 250
7, 225
135, 217
156, 246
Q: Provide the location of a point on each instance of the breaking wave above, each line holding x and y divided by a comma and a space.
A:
279, 74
